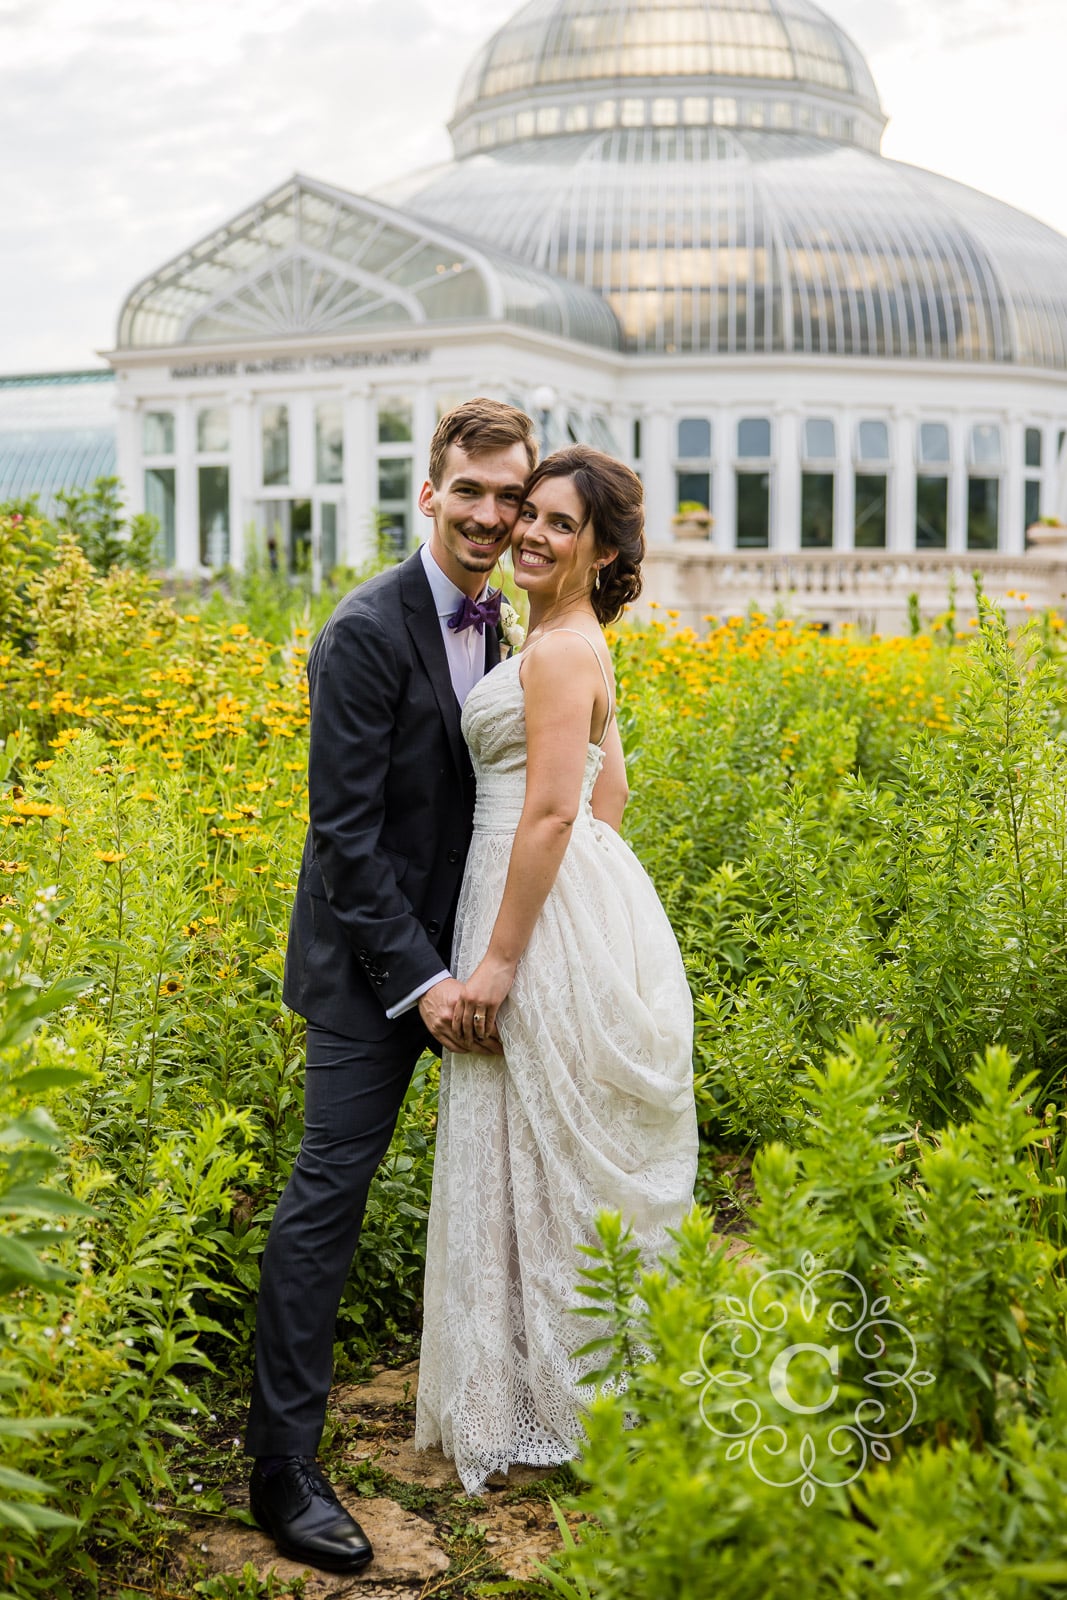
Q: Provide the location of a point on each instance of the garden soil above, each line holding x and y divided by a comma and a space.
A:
430, 1538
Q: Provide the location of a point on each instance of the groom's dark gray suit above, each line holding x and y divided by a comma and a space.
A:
391, 796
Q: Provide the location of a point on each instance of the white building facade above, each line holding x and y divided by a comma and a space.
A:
667, 231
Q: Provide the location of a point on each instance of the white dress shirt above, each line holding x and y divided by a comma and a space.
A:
466, 665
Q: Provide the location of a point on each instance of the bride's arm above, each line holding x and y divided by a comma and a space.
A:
611, 790
563, 693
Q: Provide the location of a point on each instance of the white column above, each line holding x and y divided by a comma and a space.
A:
656, 456
1053, 475
360, 484
785, 481
844, 485
128, 454
301, 443
422, 432
186, 490
1012, 494
242, 479
724, 485
957, 484
900, 529
620, 421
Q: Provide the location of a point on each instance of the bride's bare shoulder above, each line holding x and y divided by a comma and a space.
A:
560, 647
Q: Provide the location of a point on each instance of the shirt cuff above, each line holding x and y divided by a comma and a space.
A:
414, 997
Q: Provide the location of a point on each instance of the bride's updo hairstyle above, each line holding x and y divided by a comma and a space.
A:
614, 502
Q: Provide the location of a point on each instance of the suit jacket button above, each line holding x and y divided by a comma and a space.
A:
433, 927
453, 856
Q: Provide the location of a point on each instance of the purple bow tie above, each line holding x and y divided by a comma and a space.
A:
476, 613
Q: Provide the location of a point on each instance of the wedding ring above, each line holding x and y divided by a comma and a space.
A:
479, 1016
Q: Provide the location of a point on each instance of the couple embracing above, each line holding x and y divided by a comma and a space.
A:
464, 888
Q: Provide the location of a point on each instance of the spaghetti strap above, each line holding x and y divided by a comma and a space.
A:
607, 686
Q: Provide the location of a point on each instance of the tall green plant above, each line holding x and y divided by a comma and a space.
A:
31, 1205
802, 1416
96, 519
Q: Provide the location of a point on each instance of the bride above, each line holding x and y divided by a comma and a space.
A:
567, 955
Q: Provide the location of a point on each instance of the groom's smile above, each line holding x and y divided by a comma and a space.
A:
474, 509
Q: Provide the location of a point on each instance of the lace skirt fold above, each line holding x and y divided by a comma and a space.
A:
591, 1108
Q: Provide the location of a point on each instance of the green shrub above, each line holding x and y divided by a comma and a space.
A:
701, 1482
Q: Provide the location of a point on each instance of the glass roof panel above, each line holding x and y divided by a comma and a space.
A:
707, 240
47, 461
349, 264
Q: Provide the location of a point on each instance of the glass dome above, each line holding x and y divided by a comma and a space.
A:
565, 66
711, 170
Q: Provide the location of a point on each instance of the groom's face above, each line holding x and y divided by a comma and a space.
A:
474, 509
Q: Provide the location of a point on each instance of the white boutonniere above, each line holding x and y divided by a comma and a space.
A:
512, 632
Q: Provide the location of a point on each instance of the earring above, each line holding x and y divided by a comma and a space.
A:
596, 580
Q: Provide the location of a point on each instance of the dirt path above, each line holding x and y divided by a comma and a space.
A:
429, 1537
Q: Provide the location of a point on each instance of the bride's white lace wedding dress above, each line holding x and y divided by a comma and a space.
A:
591, 1107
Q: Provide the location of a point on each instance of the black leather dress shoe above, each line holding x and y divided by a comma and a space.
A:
300, 1511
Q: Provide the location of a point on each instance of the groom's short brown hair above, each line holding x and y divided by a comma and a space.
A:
478, 426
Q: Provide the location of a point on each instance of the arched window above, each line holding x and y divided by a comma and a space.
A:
871, 485
983, 487
693, 463
931, 487
753, 483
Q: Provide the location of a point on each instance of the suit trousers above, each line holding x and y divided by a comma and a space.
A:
353, 1091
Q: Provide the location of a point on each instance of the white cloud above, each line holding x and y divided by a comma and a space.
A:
130, 128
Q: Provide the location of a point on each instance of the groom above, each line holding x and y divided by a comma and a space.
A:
391, 797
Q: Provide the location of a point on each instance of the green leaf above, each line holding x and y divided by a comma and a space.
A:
39, 1079
22, 1483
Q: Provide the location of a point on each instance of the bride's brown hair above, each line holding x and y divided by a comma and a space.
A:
614, 503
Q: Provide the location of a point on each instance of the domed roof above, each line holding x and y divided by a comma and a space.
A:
724, 242
711, 170
559, 59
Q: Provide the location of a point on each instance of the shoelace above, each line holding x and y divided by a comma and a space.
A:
313, 1479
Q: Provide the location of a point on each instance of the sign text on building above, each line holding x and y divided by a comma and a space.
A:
328, 362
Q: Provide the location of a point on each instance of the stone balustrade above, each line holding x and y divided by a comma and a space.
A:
869, 588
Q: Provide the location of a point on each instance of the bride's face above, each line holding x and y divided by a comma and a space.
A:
553, 550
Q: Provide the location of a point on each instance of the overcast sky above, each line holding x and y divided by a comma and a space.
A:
130, 128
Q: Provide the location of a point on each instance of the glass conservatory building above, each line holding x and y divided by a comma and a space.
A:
667, 230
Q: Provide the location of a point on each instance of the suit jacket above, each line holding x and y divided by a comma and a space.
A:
390, 797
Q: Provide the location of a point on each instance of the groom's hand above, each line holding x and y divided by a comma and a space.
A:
437, 1007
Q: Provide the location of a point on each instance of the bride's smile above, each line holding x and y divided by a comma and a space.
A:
553, 542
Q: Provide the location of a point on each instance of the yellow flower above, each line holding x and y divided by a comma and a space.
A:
35, 808
109, 857
171, 986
